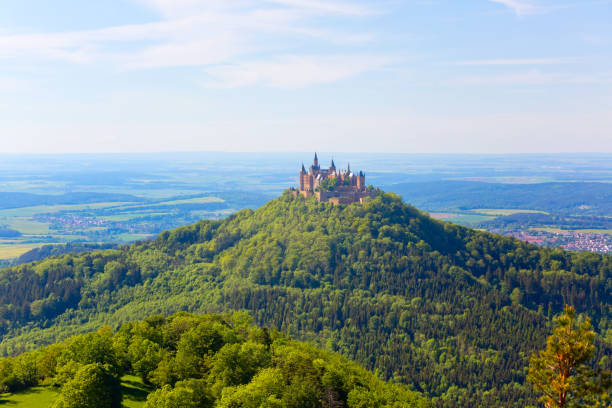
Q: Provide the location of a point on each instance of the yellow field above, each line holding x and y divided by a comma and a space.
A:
10, 251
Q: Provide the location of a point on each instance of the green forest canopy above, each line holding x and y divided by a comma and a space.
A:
453, 312
201, 361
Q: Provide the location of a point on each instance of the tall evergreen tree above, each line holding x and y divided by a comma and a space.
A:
562, 371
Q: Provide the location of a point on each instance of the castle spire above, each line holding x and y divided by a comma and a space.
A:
316, 161
303, 168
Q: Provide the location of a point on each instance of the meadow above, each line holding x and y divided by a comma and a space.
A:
134, 392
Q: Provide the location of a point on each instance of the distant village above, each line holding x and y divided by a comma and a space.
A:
569, 240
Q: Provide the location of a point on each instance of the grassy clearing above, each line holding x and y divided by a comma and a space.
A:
36, 397
134, 395
503, 211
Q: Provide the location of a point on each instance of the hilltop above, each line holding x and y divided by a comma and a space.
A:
452, 311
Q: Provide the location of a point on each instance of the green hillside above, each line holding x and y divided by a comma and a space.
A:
193, 361
451, 311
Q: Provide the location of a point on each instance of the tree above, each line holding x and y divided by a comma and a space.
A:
187, 394
562, 373
92, 387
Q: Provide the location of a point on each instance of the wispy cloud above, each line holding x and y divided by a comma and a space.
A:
204, 33
519, 7
293, 71
518, 61
536, 77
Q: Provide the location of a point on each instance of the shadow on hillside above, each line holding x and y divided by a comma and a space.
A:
134, 390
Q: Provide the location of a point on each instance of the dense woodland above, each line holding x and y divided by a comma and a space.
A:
576, 198
453, 312
201, 361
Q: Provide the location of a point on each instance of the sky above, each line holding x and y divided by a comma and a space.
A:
412, 76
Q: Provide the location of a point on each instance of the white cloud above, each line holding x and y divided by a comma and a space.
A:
519, 7
200, 33
293, 71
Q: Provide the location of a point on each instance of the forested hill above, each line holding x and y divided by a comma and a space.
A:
451, 311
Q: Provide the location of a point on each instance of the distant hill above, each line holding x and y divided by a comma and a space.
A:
9, 233
453, 312
565, 198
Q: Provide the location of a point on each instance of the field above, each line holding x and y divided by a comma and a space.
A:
10, 250
105, 221
462, 218
579, 231
504, 212
134, 395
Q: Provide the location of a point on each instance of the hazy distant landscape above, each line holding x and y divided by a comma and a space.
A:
170, 239
54, 199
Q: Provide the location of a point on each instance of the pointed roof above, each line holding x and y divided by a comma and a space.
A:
316, 158
303, 168
333, 165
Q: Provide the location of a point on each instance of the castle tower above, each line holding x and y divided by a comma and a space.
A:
303, 176
332, 167
315, 163
361, 181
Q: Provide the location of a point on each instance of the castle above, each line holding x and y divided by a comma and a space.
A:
333, 185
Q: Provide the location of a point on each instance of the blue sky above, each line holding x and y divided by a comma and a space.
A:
435, 76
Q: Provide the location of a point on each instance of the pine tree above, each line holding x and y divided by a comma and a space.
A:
562, 371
